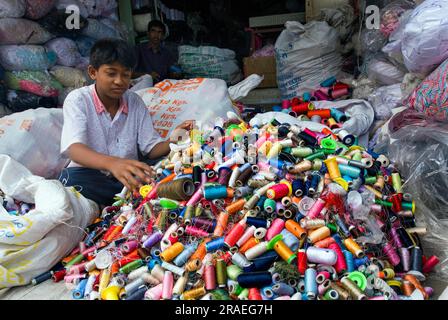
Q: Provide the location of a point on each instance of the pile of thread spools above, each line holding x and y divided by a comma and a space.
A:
260, 213
14, 207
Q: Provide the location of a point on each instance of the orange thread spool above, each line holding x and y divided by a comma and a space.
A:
230, 192
319, 234
221, 225
129, 258
236, 206
324, 243
252, 242
323, 113
295, 229
353, 247
412, 279
201, 251
172, 252
114, 269
407, 288
188, 170
116, 232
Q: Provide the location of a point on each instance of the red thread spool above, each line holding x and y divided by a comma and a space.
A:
302, 261
340, 85
341, 263
227, 257
295, 101
59, 275
303, 108
173, 238
254, 294
235, 234
323, 113
430, 264
319, 95
337, 93
396, 200
324, 243
278, 191
129, 258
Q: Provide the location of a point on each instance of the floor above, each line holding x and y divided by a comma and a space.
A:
57, 291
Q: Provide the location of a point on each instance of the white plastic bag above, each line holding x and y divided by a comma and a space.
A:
143, 82
26, 57
12, 9
33, 243
66, 51
383, 72
242, 89
33, 138
384, 99
306, 55
22, 31
173, 101
98, 30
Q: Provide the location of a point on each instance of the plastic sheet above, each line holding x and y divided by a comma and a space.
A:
384, 72
19, 101
384, 99
391, 13
36, 9
12, 9
66, 51
26, 57
22, 31
419, 148
37, 82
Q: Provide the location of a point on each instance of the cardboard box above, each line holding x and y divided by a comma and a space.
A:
263, 66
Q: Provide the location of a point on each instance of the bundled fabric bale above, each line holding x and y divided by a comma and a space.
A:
119, 27
209, 62
22, 31
98, 30
63, 94
19, 101
63, 4
55, 22
66, 51
38, 82
431, 96
36, 9
306, 55
84, 45
425, 40
383, 72
98, 8
83, 63
26, 57
391, 13
12, 9
69, 77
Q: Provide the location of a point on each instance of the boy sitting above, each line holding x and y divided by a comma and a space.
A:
105, 127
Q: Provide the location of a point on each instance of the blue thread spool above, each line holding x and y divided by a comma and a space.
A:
155, 252
152, 263
328, 82
290, 240
350, 260
347, 178
298, 217
360, 262
338, 240
208, 149
255, 279
338, 115
282, 289
373, 154
41, 278
310, 283
263, 262
298, 187
215, 244
166, 172
138, 294
304, 297
315, 179
215, 192
257, 222
182, 258
268, 293
342, 225
260, 204
78, 292
277, 108
182, 214
307, 187
306, 96
89, 239
350, 171
227, 147
323, 170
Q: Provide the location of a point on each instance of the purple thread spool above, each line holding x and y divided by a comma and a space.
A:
321, 96
153, 239
393, 257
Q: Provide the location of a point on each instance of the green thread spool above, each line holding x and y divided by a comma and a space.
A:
236, 289
220, 294
148, 211
189, 213
233, 272
331, 294
409, 206
396, 182
370, 180
221, 273
333, 228
162, 220
319, 154
244, 295
301, 152
269, 205
75, 260
328, 143
359, 278
131, 266
198, 211
328, 151
169, 204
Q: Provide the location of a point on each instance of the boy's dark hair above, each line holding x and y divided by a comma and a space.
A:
108, 51
158, 24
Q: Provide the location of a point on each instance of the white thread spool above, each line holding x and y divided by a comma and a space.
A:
158, 272
150, 279
256, 250
173, 268
240, 260
137, 273
321, 256
131, 287
260, 233
180, 285
94, 295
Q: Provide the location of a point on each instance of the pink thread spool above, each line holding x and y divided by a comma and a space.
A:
338, 93
196, 232
319, 95
325, 90
324, 286
430, 264
316, 209
275, 228
341, 263
155, 293
77, 269
195, 198
72, 278
396, 238
286, 104
280, 190
210, 277
322, 276
129, 246
393, 257
311, 133
167, 285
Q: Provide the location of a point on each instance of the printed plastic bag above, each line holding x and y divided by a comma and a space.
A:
173, 101
26, 57
69, 77
12, 9
209, 62
384, 99
425, 41
84, 45
38, 133
19, 101
37, 82
36, 9
419, 149
391, 13
22, 31
383, 72
306, 55
66, 51
431, 96
33, 243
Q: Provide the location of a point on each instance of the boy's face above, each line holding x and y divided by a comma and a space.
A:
155, 35
112, 80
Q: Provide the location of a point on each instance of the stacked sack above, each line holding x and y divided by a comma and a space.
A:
43, 59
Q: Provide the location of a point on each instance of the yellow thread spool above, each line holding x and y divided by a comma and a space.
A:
275, 150
319, 234
342, 183
284, 251
104, 280
265, 147
377, 194
353, 247
194, 294
333, 168
144, 190
379, 184
172, 252
111, 293
193, 265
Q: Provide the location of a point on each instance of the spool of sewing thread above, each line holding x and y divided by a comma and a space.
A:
354, 291
341, 262
282, 249
350, 171
396, 182
254, 279
328, 82
338, 93
353, 247
221, 273
215, 192
172, 252
210, 276
417, 262
319, 234
293, 227
346, 138
333, 168
320, 95
430, 264
256, 251
181, 189
224, 174
323, 113
391, 254
275, 228
197, 171
321, 256
311, 284
235, 234
302, 108
316, 209
215, 244
338, 115
278, 191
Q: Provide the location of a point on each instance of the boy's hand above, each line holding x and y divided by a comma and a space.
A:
181, 130
131, 173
